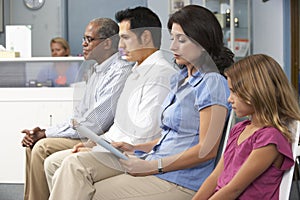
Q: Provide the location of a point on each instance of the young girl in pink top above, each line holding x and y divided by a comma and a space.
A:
258, 150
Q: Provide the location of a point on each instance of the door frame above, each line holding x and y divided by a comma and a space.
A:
295, 42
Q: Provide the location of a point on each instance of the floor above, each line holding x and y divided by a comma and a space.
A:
11, 191
15, 191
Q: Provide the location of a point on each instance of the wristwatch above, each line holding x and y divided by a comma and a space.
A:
159, 166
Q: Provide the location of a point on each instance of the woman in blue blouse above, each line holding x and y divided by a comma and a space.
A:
192, 120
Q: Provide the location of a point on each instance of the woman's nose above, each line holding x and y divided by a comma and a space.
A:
173, 46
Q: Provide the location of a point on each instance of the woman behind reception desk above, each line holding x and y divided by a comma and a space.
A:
59, 73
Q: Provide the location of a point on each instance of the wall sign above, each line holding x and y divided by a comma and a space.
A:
175, 5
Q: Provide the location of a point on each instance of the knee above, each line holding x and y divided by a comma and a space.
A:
40, 149
69, 160
48, 165
72, 163
54, 161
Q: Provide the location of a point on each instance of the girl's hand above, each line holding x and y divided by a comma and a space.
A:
138, 167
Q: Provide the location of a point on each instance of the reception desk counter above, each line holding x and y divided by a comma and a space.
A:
39, 71
27, 107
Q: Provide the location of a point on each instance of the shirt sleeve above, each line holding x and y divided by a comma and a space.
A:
63, 129
100, 117
212, 90
270, 135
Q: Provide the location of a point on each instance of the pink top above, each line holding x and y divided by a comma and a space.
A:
266, 186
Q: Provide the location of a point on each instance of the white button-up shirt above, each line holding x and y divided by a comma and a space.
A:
137, 115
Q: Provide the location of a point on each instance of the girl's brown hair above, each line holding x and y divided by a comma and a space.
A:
260, 81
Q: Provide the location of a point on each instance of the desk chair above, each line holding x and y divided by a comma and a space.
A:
286, 183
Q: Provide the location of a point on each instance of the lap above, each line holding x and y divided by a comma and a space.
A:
57, 157
58, 143
140, 188
100, 165
52, 145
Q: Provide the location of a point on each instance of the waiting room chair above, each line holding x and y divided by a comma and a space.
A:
286, 183
230, 122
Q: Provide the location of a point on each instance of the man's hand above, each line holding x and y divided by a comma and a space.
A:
32, 136
83, 146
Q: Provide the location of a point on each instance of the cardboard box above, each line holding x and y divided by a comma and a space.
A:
221, 19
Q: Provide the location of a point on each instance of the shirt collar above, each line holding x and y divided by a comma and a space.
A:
102, 67
142, 69
196, 78
193, 80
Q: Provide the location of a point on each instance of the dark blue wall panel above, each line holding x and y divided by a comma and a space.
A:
80, 12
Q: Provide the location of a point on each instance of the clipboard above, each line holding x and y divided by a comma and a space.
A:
86, 132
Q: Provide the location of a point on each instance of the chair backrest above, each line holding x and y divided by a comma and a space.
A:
231, 122
286, 182
226, 131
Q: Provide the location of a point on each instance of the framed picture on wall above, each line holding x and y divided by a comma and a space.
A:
175, 5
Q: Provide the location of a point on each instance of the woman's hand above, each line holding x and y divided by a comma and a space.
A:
123, 146
139, 167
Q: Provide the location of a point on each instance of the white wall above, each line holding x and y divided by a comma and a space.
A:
47, 22
161, 8
51, 20
267, 29
78, 18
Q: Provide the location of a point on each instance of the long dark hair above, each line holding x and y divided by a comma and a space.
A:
201, 25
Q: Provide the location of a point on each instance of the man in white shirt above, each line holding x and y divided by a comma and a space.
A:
96, 110
137, 114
